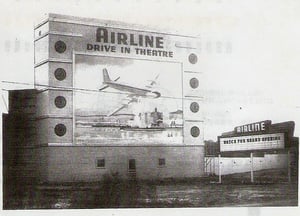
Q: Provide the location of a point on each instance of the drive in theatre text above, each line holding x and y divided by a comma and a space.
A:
137, 43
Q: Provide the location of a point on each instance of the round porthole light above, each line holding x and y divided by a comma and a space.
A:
193, 58
60, 129
60, 74
195, 132
60, 102
194, 107
60, 46
194, 83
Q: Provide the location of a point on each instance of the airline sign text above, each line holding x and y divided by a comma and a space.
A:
108, 40
254, 127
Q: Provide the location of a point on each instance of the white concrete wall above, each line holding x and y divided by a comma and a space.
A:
230, 165
73, 163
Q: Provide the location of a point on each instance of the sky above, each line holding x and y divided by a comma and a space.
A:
250, 50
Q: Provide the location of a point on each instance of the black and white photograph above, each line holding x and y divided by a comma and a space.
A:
150, 107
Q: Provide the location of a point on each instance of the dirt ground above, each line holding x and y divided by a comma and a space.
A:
236, 190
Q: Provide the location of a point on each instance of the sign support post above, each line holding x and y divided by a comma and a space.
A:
220, 173
251, 161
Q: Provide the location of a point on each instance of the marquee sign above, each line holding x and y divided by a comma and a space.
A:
253, 142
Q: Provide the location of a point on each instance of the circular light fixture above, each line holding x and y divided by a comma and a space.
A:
60, 74
193, 58
60, 102
60, 46
194, 107
60, 129
195, 132
194, 83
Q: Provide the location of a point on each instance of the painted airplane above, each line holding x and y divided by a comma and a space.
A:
133, 92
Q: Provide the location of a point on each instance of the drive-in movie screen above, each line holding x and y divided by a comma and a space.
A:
119, 99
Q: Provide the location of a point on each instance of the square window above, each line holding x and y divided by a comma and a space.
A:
100, 163
161, 162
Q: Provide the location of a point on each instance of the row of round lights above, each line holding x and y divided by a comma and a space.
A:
60, 101
194, 106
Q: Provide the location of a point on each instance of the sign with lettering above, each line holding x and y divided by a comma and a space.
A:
253, 127
112, 41
252, 142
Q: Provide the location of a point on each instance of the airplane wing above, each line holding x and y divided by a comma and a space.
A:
152, 82
124, 105
117, 110
103, 87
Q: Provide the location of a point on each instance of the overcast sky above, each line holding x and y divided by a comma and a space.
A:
250, 48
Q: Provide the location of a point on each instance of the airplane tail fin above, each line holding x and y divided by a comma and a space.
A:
106, 77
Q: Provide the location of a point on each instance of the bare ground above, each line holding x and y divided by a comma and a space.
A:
271, 188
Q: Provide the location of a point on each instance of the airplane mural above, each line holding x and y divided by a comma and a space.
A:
134, 93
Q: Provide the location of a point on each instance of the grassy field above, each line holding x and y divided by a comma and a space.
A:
270, 188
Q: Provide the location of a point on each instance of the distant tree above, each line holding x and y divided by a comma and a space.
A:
211, 147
